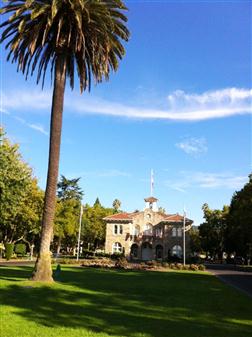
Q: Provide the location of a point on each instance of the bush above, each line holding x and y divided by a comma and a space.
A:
194, 267
20, 249
179, 266
202, 267
116, 256
9, 249
121, 263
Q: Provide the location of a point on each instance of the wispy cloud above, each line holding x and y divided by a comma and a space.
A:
181, 106
36, 127
101, 174
206, 180
193, 146
35, 99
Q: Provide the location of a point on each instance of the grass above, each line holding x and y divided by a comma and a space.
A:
99, 303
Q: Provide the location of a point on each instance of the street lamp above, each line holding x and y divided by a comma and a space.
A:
184, 253
79, 234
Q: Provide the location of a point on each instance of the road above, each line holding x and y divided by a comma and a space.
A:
240, 280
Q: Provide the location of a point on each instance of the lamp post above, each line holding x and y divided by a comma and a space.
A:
79, 234
184, 253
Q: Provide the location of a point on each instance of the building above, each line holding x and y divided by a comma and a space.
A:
147, 235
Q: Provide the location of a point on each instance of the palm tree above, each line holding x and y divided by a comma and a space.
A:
116, 204
73, 36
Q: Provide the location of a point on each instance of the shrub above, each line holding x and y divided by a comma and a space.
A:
20, 249
172, 266
179, 266
165, 264
186, 267
121, 263
194, 267
9, 249
202, 267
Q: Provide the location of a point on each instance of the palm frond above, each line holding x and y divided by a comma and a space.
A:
88, 34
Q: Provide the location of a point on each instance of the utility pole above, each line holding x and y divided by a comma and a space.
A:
79, 234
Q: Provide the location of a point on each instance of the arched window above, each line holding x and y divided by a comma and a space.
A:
115, 229
134, 250
117, 247
174, 231
148, 229
179, 231
177, 250
159, 252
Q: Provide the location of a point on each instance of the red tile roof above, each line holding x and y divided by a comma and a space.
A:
119, 216
150, 199
176, 218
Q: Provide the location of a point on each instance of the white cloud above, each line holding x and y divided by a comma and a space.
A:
35, 99
101, 174
36, 127
193, 146
188, 180
181, 106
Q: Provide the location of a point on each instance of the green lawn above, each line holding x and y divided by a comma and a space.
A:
94, 302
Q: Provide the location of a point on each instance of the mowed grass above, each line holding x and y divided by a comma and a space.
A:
95, 302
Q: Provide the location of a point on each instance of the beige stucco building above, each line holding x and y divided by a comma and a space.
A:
148, 234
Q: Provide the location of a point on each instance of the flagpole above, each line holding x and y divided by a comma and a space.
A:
79, 234
184, 253
151, 183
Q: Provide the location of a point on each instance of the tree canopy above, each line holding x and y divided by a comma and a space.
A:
21, 199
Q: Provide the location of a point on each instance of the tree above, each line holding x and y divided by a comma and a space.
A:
239, 222
116, 205
21, 199
93, 225
212, 231
69, 189
67, 210
68, 34
97, 202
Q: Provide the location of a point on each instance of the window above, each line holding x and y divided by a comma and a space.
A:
159, 232
117, 247
174, 231
177, 231
134, 250
118, 229
115, 229
148, 216
159, 252
177, 250
148, 229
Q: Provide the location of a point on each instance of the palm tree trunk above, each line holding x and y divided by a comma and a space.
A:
43, 269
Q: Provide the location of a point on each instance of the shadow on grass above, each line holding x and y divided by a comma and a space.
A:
126, 303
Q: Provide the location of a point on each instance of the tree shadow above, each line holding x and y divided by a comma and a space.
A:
126, 303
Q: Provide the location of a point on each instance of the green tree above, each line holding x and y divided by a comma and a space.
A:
68, 34
239, 222
212, 231
67, 210
69, 189
116, 205
21, 200
93, 225
195, 241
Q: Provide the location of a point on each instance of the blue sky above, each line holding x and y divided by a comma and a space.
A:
180, 104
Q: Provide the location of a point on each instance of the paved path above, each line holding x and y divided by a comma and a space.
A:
240, 280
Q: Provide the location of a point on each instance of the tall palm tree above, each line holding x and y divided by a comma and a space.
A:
67, 34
